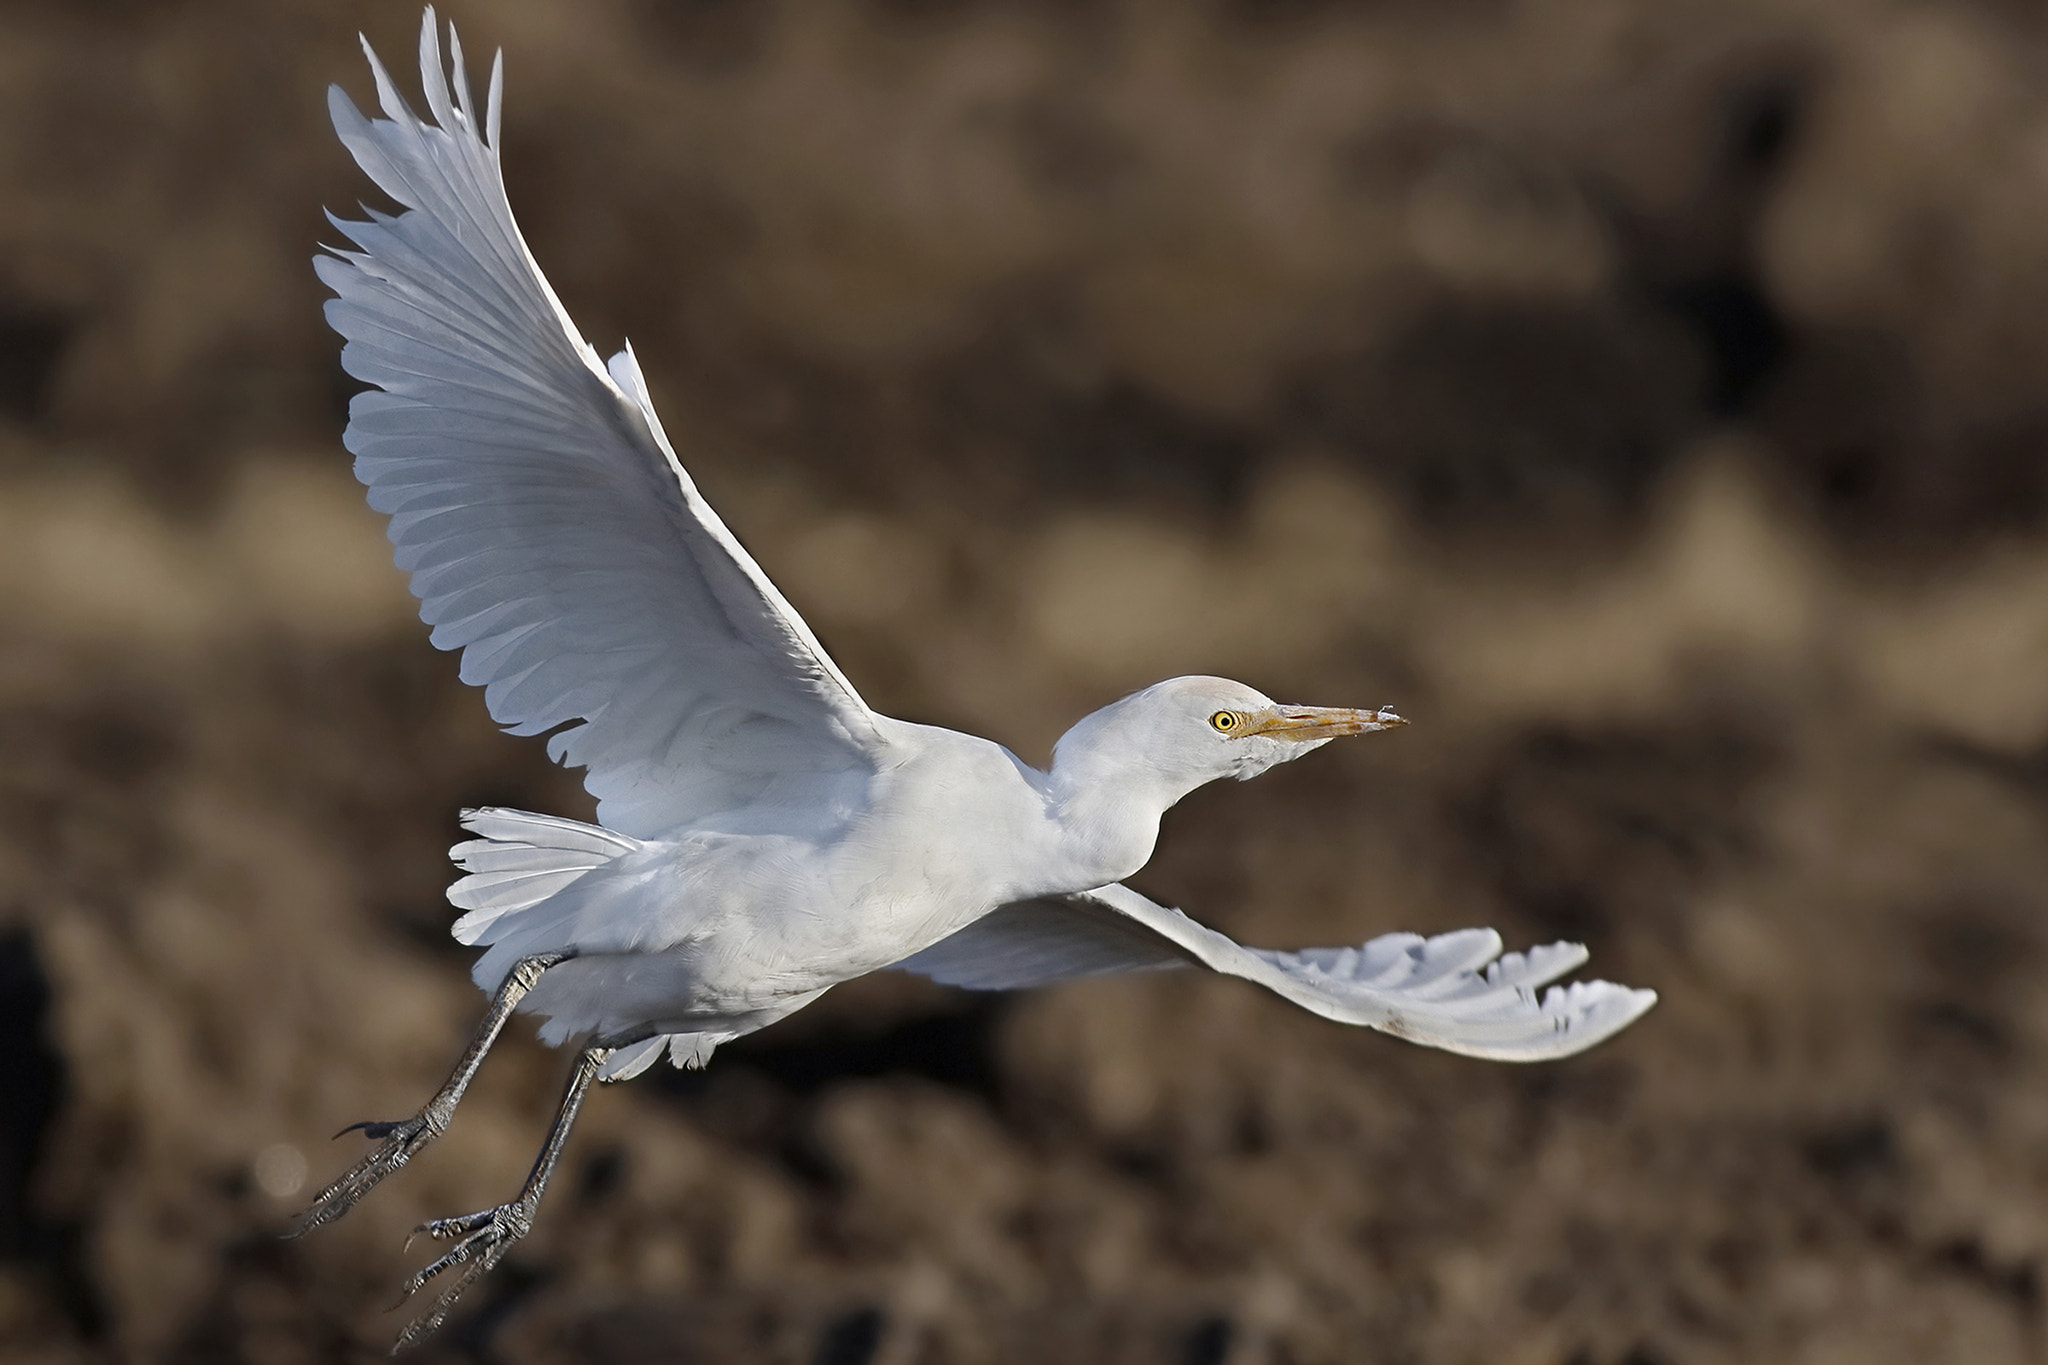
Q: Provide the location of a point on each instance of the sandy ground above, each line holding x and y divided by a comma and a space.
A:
1649, 401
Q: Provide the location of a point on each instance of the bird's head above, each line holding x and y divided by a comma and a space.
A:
1189, 731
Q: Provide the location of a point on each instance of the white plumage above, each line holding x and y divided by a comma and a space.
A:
764, 834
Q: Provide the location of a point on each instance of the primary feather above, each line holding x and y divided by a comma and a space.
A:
551, 534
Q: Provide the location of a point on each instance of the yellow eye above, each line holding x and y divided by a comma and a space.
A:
1226, 721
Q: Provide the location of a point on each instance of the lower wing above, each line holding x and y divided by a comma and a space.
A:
1455, 991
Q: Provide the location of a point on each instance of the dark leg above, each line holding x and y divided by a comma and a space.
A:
405, 1138
488, 1235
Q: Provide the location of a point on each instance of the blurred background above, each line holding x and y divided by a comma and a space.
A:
1650, 401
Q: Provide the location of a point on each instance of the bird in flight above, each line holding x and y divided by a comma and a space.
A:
762, 833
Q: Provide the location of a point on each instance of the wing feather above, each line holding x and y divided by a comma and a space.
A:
551, 534
1455, 991
1036, 942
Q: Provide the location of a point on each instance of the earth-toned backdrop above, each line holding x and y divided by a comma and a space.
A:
1649, 400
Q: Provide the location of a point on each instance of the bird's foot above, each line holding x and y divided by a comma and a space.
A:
402, 1141
482, 1240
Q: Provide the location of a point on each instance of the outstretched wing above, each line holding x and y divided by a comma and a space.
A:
1455, 991
551, 534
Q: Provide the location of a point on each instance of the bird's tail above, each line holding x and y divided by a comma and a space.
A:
521, 860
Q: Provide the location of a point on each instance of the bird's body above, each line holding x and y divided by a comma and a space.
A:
746, 914
726, 925
763, 834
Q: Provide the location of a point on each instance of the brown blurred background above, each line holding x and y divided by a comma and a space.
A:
1649, 399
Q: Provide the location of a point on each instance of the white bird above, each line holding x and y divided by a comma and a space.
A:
763, 834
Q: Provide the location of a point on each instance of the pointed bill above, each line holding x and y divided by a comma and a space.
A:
1319, 722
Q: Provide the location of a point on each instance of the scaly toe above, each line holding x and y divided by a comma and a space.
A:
463, 1224
456, 1255
485, 1238
402, 1139
423, 1325
417, 1282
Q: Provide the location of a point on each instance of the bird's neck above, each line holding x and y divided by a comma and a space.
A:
1106, 816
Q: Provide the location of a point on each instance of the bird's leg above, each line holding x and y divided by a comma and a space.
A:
486, 1236
405, 1138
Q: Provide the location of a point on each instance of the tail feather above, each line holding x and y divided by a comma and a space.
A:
546, 831
521, 860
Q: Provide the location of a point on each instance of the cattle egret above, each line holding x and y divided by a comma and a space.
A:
763, 834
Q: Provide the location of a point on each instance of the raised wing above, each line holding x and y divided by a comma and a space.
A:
551, 534
1455, 991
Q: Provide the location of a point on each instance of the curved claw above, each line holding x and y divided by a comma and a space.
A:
371, 1128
